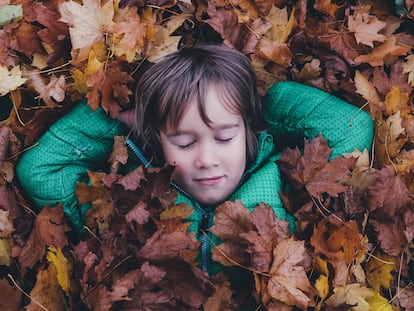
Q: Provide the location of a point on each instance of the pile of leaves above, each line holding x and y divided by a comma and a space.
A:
353, 246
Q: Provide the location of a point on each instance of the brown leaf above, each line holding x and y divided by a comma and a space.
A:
10, 298
313, 170
119, 154
109, 89
337, 240
46, 291
289, 282
387, 195
163, 246
99, 196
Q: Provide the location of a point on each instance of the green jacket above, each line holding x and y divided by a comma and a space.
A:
83, 140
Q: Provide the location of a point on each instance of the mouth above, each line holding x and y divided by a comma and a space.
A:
209, 181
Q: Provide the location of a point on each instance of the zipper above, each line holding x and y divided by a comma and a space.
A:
205, 216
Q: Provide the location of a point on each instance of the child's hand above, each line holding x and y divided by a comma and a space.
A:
127, 117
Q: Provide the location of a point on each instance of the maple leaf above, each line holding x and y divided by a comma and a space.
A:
379, 270
163, 246
119, 154
366, 27
313, 170
369, 93
10, 80
353, 295
164, 43
109, 89
408, 67
129, 34
6, 225
336, 239
103, 298
56, 33
87, 24
282, 24
397, 101
55, 256
27, 40
388, 195
390, 236
378, 55
7, 146
100, 198
326, 7
46, 291
5, 252
288, 282
53, 91
10, 299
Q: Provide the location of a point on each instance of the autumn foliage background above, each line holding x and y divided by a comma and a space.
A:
353, 247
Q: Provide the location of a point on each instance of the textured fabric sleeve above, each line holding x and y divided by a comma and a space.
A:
295, 111
79, 141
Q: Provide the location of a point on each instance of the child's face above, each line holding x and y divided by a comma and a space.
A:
209, 160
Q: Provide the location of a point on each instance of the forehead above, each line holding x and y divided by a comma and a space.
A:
215, 111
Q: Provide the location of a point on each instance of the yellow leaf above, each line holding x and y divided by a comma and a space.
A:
282, 25
353, 295
46, 292
408, 67
5, 252
79, 79
10, 80
395, 100
379, 303
379, 270
322, 286
55, 256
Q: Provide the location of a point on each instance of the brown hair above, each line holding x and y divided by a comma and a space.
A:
167, 87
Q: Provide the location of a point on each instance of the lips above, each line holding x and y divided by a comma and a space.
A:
209, 181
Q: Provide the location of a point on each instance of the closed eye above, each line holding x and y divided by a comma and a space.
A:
224, 140
186, 146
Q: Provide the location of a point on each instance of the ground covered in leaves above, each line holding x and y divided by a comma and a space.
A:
353, 247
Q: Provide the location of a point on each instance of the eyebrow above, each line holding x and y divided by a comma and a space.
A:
215, 128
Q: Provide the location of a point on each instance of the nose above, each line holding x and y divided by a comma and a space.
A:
206, 156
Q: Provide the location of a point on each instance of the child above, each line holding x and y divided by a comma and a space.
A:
197, 109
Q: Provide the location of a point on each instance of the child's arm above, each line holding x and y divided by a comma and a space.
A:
81, 140
295, 111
